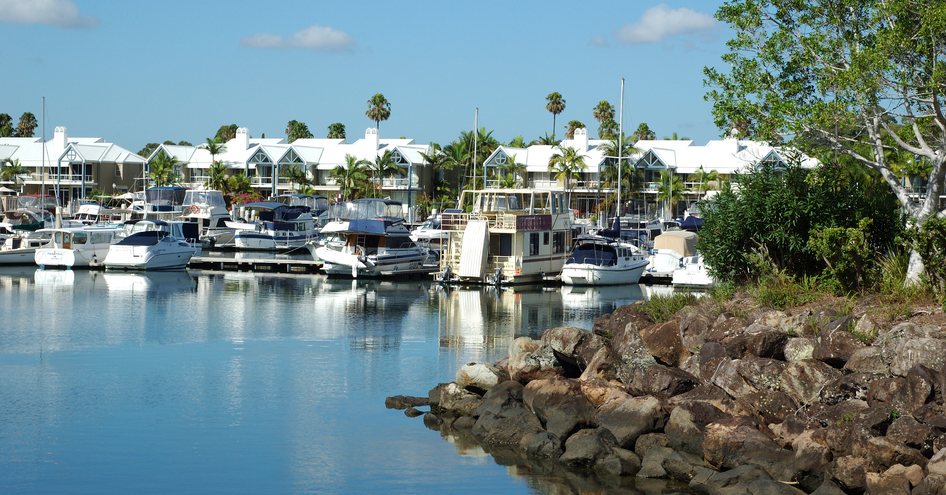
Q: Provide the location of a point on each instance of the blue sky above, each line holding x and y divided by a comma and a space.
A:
135, 72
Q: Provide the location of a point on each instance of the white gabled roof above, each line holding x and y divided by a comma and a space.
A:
30, 150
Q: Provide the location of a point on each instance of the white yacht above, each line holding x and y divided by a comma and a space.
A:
371, 240
153, 245
506, 236
672, 250
163, 203
96, 214
20, 247
75, 247
209, 209
430, 234
271, 226
604, 259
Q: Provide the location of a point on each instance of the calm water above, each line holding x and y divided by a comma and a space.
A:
240, 383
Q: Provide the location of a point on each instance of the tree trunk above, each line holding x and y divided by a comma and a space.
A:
915, 269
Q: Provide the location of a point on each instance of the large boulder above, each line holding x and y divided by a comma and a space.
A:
629, 417
587, 446
734, 442
798, 349
836, 343
502, 418
897, 480
559, 405
664, 341
906, 430
804, 380
452, 399
686, 425
479, 378
867, 360
902, 395
530, 360
658, 380
907, 345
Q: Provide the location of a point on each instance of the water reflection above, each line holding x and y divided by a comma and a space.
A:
150, 282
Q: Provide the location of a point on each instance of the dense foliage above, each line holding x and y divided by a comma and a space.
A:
783, 218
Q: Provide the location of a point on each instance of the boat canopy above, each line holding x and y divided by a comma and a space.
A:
208, 197
367, 208
681, 241
161, 197
370, 226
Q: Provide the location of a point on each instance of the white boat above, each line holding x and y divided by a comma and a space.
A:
430, 234
371, 240
209, 209
672, 250
693, 275
20, 248
270, 226
153, 245
96, 214
75, 247
604, 259
162, 203
509, 236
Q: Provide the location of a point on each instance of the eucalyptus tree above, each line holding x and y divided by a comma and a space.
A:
565, 164
378, 109
571, 126
297, 130
350, 177
226, 132
27, 125
555, 104
12, 170
163, 170
336, 130
862, 79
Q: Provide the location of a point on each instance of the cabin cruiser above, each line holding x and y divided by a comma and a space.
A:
20, 247
154, 245
369, 239
430, 234
75, 247
506, 236
316, 203
694, 274
672, 250
604, 258
209, 209
97, 214
271, 226
161, 202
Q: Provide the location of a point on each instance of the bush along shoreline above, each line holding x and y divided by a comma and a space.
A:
730, 397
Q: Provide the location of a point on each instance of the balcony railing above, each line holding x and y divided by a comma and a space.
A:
53, 177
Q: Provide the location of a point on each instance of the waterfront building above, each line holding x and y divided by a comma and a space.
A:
694, 164
266, 160
73, 166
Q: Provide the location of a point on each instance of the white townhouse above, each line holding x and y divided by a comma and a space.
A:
71, 165
264, 161
725, 157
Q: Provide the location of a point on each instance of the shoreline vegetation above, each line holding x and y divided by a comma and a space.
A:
723, 393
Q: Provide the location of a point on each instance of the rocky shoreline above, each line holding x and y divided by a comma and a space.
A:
724, 398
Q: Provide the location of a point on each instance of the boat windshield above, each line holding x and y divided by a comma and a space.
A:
210, 198
365, 209
593, 254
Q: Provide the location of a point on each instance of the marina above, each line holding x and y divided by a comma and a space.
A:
252, 383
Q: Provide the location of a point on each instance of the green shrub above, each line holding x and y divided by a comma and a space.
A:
662, 308
846, 253
929, 240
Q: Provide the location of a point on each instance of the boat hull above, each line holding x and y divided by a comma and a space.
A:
148, 257
71, 258
341, 264
259, 241
21, 256
589, 274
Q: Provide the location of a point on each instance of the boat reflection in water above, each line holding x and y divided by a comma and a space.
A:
584, 303
150, 282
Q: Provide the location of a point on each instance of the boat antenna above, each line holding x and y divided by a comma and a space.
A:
620, 145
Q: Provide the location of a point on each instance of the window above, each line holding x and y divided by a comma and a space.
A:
558, 242
533, 244
545, 238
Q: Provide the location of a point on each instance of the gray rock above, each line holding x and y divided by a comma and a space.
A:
559, 405
937, 464
631, 417
587, 446
867, 360
933, 484
480, 377
804, 380
734, 442
798, 349
664, 341
502, 417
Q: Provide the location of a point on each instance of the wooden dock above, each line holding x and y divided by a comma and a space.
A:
254, 265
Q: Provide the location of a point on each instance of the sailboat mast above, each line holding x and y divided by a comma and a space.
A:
42, 172
620, 145
476, 125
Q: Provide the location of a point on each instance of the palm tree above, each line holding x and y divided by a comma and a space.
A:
438, 162
336, 130
239, 183
297, 130
512, 173
603, 111
12, 170
214, 147
384, 166
670, 189
643, 132
378, 109
26, 125
608, 129
706, 179
296, 176
544, 140
570, 128
350, 177
217, 178
163, 170
566, 164
556, 105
